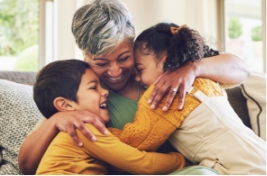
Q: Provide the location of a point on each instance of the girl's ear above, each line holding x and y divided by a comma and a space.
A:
63, 104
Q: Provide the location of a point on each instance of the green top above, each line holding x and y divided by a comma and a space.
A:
121, 110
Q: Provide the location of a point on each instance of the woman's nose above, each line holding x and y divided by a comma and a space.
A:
114, 71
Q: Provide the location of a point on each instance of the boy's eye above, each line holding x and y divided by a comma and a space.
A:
93, 87
124, 59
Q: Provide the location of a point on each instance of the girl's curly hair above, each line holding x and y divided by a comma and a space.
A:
184, 46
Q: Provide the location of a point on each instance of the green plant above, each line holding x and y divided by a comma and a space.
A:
28, 59
234, 28
256, 33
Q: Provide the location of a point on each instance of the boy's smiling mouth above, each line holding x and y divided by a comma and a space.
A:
103, 105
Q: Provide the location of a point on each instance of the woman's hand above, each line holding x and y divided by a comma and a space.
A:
224, 68
180, 79
69, 121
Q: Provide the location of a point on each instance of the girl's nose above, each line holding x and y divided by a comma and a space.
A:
137, 78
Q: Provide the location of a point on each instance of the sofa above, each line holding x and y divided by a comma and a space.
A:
19, 114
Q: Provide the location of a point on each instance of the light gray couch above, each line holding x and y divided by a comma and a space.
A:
18, 114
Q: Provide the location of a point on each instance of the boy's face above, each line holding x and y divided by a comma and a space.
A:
148, 69
91, 96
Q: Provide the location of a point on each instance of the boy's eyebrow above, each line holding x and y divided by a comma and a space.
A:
93, 81
107, 59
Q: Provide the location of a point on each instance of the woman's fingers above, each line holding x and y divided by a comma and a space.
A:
75, 120
180, 79
157, 94
170, 97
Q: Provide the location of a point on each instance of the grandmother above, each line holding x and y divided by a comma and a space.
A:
104, 32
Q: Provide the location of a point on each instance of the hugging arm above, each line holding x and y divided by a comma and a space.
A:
35, 145
223, 68
151, 128
124, 157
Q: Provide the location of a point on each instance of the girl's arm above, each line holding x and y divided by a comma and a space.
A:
151, 128
35, 145
122, 156
223, 68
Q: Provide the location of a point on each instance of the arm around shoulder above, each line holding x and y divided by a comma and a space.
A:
224, 68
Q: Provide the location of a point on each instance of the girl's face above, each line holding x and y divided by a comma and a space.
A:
148, 67
91, 96
115, 68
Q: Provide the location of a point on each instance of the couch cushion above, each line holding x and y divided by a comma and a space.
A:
18, 115
238, 102
254, 90
19, 77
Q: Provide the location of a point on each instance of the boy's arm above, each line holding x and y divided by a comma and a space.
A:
110, 149
34, 147
151, 128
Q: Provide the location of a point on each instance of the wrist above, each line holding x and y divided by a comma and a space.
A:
195, 67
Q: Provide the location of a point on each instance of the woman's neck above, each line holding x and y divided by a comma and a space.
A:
132, 90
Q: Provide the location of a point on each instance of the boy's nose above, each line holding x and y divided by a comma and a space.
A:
104, 92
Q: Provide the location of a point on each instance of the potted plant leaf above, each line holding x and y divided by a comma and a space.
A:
256, 37
235, 44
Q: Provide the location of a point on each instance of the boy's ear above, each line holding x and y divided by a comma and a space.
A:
63, 104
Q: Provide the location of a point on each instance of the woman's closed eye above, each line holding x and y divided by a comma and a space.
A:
123, 59
101, 64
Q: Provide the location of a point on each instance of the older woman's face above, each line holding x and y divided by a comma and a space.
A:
115, 68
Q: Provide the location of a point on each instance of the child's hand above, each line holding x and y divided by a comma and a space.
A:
177, 81
69, 121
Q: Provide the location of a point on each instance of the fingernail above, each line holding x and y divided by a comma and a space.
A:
149, 101
80, 144
93, 138
153, 106
106, 132
165, 108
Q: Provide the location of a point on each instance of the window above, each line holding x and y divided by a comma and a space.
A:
244, 33
19, 35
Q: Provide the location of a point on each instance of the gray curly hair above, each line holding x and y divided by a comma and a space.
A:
101, 25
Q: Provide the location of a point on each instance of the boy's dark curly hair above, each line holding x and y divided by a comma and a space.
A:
184, 46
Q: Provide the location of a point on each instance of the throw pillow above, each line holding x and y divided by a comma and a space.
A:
18, 115
254, 90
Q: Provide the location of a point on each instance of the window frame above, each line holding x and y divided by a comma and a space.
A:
222, 32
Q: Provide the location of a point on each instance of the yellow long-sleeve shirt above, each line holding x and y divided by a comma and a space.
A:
151, 128
63, 156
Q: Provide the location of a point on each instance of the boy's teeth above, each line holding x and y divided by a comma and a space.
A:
103, 105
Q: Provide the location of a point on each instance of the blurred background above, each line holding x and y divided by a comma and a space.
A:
36, 32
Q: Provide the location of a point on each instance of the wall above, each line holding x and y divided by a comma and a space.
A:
200, 15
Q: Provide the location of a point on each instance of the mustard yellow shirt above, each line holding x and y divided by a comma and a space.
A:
63, 156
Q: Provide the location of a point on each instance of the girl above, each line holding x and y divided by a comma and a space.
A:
207, 131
